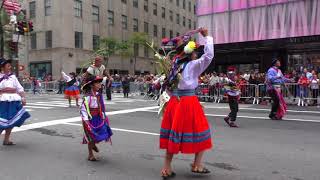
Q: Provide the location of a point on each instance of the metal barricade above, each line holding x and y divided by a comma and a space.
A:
249, 91
262, 93
290, 93
308, 96
27, 86
134, 89
116, 87
51, 86
203, 92
216, 93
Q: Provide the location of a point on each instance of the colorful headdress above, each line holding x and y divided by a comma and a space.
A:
89, 81
190, 47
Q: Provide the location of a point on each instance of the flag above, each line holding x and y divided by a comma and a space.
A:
11, 6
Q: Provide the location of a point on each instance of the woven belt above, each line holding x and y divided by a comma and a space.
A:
184, 92
8, 91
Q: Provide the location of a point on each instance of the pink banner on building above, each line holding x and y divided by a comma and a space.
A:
256, 3
238, 4
205, 7
293, 18
220, 6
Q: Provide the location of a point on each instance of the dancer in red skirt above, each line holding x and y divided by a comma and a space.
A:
72, 91
185, 128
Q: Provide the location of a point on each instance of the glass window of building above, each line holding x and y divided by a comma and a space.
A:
47, 7
32, 9
184, 21
95, 42
124, 1
135, 3
155, 9
164, 32
189, 23
48, 39
146, 52
33, 40
135, 25
178, 18
40, 69
146, 27
78, 8
78, 40
146, 5
110, 18
178, 2
163, 13
178, 34
155, 30
171, 34
124, 22
95, 13
189, 6
184, 4
171, 15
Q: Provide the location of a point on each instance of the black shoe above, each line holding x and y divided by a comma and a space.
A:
233, 124
226, 119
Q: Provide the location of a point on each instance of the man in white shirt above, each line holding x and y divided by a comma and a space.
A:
97, 68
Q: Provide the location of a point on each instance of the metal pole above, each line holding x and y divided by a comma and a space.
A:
1, 34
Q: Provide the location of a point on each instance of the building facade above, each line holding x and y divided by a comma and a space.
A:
66, 32
249, 33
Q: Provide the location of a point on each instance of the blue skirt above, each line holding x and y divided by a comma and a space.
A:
96, 130
12, 114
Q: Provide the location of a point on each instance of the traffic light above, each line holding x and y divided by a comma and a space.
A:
30, 26
20, 25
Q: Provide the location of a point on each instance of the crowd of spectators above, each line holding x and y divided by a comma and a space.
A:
307, 82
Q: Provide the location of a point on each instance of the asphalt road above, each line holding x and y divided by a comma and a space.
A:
49, 144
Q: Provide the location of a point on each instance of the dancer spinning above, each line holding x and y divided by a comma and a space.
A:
95, 122
233, 97
12, 100
184, 126
72, 91
274, 81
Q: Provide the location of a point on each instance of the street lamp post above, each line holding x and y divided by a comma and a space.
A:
1, 34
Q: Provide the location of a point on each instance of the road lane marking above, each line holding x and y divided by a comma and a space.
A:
258, 109
48, 105
75, 119
37, 107
122, 130
253, 117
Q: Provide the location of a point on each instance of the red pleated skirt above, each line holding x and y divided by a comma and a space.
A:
72, 92
185, 127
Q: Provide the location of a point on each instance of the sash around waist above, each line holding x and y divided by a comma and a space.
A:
184, 92
8, 91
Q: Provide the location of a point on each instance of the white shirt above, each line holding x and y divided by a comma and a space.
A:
194, 68
96, 71
93, 103
11, 82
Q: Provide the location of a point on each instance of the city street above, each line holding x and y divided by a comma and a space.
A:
49, 144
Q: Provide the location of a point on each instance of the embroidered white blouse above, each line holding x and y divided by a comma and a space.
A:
194, 68
11, 82
93, 103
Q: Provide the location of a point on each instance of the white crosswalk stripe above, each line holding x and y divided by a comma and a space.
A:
62, 103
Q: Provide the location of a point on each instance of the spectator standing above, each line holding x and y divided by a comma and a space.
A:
107, 82
314, 85
303, 85
125, 86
